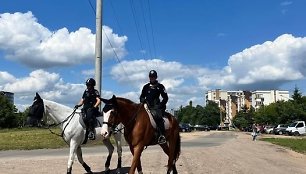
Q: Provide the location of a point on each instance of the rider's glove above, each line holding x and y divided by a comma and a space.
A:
76, 106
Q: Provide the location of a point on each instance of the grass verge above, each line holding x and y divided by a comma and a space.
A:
34, 138
298, 145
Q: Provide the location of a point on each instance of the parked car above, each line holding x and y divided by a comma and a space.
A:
184, 127
201, 127
269, 129
296, 128
247, 129
280, 129
214, 127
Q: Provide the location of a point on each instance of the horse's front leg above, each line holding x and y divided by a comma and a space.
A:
117, 137
80, 159
110, 149
136, 162
73, 147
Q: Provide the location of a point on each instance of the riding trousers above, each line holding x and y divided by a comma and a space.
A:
90, 117
157, 114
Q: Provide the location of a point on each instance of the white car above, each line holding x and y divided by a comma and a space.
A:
297, 128
269, 129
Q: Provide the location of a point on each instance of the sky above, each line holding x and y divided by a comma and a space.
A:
49, 47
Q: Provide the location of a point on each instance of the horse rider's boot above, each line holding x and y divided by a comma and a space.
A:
92, 132
161, 138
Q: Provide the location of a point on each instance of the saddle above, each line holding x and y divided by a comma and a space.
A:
84, 122
152, 121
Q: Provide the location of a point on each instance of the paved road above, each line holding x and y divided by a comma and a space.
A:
206, 139
202, 152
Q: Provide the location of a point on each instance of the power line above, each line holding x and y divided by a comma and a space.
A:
146, 29
92, 7
111, 45
152, 32
136, 24
115, 53
116, 16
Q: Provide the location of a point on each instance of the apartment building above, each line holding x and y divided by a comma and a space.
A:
8, 95
231, 102
267, 97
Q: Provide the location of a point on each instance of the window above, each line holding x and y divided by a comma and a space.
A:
300, 125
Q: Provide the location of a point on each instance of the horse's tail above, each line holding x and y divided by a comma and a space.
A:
177, 150
176, 132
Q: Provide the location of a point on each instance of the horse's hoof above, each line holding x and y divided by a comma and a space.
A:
69, 170
107, 171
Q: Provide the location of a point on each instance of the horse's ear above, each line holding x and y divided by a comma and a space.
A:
114, 97
37, 96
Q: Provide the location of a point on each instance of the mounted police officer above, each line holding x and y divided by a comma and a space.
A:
91, 101
150, 94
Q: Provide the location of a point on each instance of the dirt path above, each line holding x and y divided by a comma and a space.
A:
239, 155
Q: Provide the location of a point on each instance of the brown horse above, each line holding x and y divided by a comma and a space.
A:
139, 132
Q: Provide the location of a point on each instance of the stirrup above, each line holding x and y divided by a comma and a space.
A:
161, 140
91, 135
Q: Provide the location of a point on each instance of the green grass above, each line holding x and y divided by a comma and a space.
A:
34, 138
298, 145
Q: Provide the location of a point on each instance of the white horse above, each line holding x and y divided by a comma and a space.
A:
73, 132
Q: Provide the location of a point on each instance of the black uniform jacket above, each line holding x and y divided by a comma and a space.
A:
151, 93
89, 98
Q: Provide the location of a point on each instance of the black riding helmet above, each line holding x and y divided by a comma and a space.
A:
153, 73
90, 82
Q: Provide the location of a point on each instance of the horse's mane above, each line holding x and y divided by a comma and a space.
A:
125, 100
56, 104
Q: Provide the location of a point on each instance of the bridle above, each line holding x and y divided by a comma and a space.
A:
69, 118
115, 114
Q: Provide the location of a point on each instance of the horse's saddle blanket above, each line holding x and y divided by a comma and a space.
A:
82, 122
166, 120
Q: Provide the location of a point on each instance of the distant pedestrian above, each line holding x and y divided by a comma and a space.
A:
254, 132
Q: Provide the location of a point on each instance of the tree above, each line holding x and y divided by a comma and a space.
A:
244, 118
208, 115
212, 111
7, 113
297, 95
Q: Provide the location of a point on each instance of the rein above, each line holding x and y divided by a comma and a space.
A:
131, 120
66, 119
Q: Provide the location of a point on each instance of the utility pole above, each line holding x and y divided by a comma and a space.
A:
98, 48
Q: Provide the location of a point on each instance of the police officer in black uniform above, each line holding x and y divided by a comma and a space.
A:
150, 94
91, 101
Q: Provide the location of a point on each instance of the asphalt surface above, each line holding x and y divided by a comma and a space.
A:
201, 153
205, 140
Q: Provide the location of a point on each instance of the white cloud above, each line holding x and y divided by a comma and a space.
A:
286, 3
6, 77
37, 81
180, 80
280, 60
50, 85
25, 40
264, 66
90, 72
137, 70
272, 63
